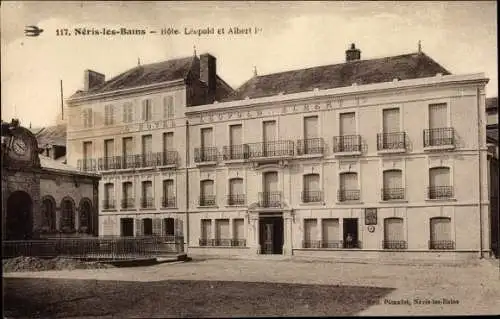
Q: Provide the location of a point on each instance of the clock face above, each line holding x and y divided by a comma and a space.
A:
19, 146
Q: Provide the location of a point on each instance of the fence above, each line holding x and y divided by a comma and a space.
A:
95, 247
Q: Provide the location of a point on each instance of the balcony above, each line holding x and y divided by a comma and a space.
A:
138, 161
442, 244
312, 196
128, 203
346, 195
236, 152
87, 165
269, 199
147, 202
206, 200
440, 192
168, 158
394, 244
271, 150
168, 202
205, 155
236, 199
221, 242
393, 194
311, 147
391, 142
347, 145
439, 138
108, 204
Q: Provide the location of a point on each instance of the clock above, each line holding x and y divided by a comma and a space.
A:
19, 146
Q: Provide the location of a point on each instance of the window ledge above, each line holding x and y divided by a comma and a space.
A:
166, 166
393, 201
147, 208
391, 151
109, 210
141, 169
207, 163
235, 206
321, 203
439, 148
307, 156
223, 247
170, 207
128, 209
234, 161
451, 199
211, 206
350, 202
354, 153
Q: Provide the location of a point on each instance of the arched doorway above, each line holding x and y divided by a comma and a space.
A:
85, 216
19, 216
48, 214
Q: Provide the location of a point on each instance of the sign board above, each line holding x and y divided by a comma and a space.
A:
370, 216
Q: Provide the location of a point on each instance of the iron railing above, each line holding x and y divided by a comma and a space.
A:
86, 165
282, 148
236, 152
206, 200
270, 199
348, 195
328, 244
393, 193
310, 146
444, 136
110, 247
168, 158
205, 154
128, 202
222, 242
312, 196
138, 160
347, 143
391, 141
236, 199
169, 201
351, 244
147, 202
440, 192
108, 204
109, 163
442, 244
394, 244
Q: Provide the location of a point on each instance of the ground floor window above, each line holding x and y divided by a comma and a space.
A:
440, 233
169, 226
67, 216
206, 232
310, 231
239, 232
394, 234
222, 237
147, 227
331, 233
126, 227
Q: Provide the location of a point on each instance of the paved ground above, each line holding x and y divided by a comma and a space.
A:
467, 288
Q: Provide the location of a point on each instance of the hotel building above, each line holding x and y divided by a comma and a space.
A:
369, 158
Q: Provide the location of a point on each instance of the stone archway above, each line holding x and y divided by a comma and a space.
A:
19, 219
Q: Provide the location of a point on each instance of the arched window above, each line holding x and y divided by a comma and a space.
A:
394, 233
85, 216
348, 187
207, 197
236, 192
67, 215
393, 185
48, 215
440, 233
439, 183
311, 191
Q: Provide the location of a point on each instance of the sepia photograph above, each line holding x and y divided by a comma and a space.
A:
174, 159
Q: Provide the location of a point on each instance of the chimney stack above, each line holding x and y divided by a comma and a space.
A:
353, 54
92, 79
208, 74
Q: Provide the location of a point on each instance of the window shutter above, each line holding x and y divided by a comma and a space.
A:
440, 229
437, 116
439, 176
310, 229
331, 230
392, 179
178, 227
349, 181
310, 127
239, 229
144, 111
391, 120
138, 227
347, 124
393, 229
157, 227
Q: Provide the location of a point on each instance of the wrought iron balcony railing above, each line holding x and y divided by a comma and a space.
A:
138, 160
236, 199
444, 136
312, 196
347, 143
108, 204
168, 201
168, 158
238, 242
128, 203
327, 244
394, 244
205, 154
271, 149
393, 193
87, 165
442, 244
147, 202
391, 141
222, 242
270, 199
348, 195
351, 244
310, 146
236, 152
440, 192
206, 200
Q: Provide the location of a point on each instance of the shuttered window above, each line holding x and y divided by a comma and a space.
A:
147, 189
128, 146
168, 141
207, 188
440, 229
139, 227
438, 116
270, 182
147, 226
269, 131
206, 137
87, 150
222, 228
347, 124
157, 227
109, 148
87, 117
348, 181
109, 192
391, 120
147, 110
206, 229
393, 179
128, 113
331, 232
311, 182
235, 135
168, 107
439, 176
127, 190
238, 228
109, 114
236, 186
168, 189
310, 127
310, 231
393, 229
147, 144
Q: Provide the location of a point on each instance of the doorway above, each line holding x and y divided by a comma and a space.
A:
19, 216
351, 233
127, 227
271, 235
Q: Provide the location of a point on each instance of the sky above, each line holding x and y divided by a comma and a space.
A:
461, 36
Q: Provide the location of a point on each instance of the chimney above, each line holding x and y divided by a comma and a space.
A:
353, 54
208, 74
92, 79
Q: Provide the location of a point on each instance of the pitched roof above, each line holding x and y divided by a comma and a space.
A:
403, 67
143, 75
52, 135
492, 104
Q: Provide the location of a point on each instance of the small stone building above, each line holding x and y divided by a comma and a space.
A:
41, 197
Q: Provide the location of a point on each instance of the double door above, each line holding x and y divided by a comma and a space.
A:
271, 235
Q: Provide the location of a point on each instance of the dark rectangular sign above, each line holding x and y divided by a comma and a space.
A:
370, 216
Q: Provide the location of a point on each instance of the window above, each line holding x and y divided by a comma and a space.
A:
440, 231
347, 124
236, 147
87, 150
128, 112
438, 116
49, 215
126, 227
331, 233
148, 159
348, 141
439, 183
109, 196
109, 116
393, 185
109, 153
222, 237
391, 120
394, 234
207, 197
67, 216
147, 226
206, 137
310, 232
236, 193
147, 195
311, 143
147, 110
168, 107
311, 191
169, 154
348, 187
169, 226
87, 117
206, 232
269, 137
128, 151
168, 199
127, 196
85, 217
239, 232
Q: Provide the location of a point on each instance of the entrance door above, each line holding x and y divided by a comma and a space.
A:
351, 233
271, 235
19, 216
